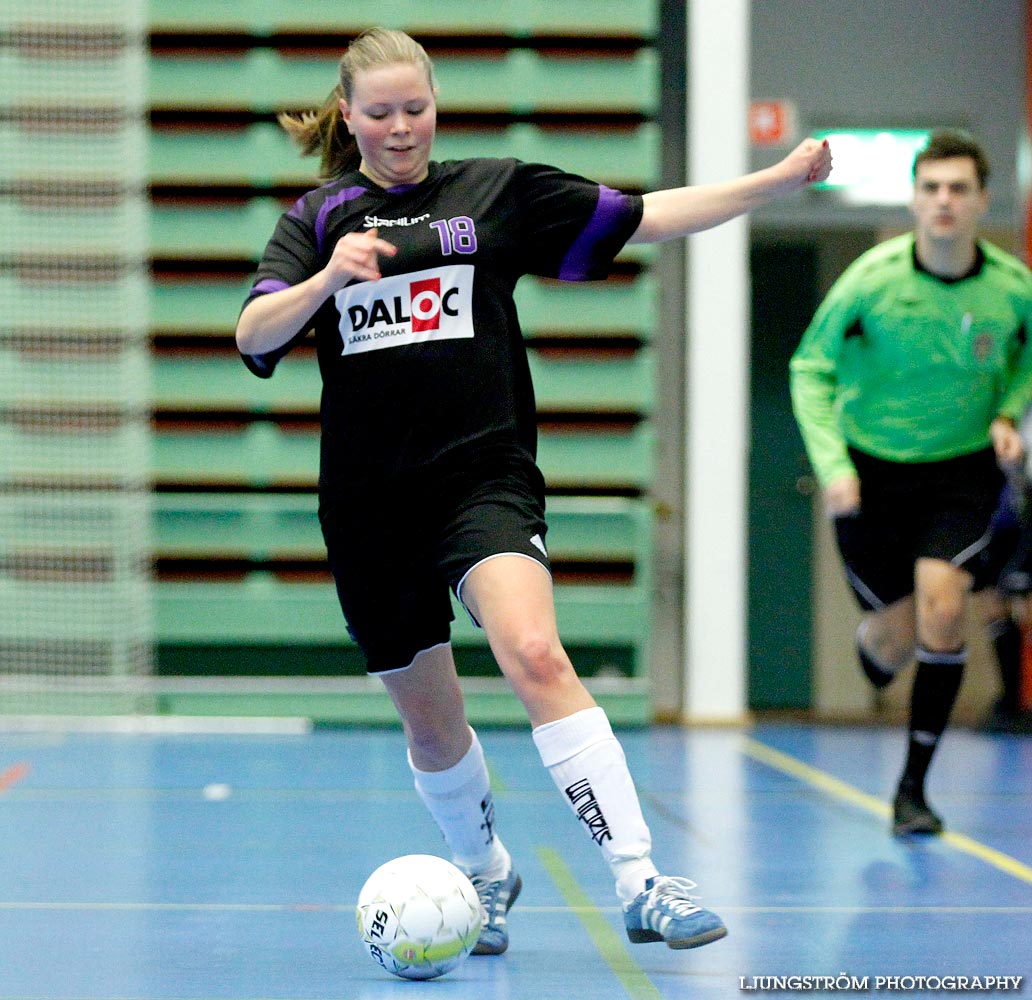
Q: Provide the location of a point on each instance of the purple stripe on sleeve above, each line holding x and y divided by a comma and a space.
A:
267, 285
579, 262
348, 194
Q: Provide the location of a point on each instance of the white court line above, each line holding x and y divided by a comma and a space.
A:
174, 724
28, 905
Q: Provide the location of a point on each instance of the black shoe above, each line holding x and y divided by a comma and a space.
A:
911, 814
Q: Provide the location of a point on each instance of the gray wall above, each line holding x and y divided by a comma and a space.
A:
895, 62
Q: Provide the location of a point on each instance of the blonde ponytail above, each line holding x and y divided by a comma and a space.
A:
323, 132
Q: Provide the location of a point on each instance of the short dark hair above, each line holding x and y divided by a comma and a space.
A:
947, 143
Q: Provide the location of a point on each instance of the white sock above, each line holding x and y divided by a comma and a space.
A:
459, 799
588, 765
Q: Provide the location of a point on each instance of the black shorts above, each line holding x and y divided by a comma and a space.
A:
937, 510
395, 554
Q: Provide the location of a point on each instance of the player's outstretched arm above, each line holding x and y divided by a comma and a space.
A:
678, 212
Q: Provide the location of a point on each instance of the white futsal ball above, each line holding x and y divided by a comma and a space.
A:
419, 916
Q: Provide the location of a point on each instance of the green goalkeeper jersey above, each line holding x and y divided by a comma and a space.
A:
909, 367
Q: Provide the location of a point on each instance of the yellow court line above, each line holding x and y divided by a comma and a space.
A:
841, 790
608, 943
498, 786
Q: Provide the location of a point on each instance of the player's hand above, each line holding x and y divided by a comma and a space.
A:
842, 497
1007, 443
808, 163
357, 256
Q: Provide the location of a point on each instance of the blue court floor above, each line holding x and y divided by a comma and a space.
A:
158, 866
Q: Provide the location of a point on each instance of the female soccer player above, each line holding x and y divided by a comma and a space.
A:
405, 269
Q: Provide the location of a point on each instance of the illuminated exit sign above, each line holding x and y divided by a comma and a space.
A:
873, 166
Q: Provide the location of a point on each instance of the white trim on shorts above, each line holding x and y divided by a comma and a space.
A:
459, 585
858, 585
972, 550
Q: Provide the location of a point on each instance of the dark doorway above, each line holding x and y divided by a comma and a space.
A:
784, 296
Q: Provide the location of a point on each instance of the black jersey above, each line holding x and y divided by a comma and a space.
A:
427, 365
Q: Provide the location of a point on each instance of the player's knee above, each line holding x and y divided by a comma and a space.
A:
942, 617
540, 660
942, 628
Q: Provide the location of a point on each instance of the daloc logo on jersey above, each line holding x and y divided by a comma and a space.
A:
427, 304
435, 304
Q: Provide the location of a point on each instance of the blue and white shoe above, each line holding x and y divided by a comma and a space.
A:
495, 899
666, 911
